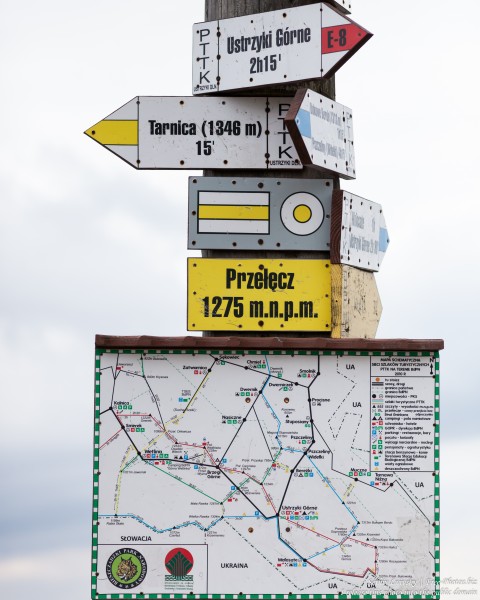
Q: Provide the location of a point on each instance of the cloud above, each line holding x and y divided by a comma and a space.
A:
52, 574
459, 493
50, 567
46, 494
90, 245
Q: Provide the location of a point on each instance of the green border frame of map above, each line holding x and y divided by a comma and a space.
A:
191, 596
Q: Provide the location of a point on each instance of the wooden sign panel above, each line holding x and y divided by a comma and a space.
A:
154, 132
280, 46
356, 304
322, 131
258, 295
359, 232
253, 468
252, 214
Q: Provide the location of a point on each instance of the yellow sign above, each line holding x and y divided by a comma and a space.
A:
259, 295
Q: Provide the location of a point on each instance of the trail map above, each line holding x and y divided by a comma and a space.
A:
273, 474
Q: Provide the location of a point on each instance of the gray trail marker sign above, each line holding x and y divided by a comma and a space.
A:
280, 46
259, 214
155, 132
322, 131
359, 232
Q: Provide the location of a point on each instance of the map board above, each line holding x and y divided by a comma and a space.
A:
273, 473
247, 213
322, 131
260, 294
172, 132
279, 46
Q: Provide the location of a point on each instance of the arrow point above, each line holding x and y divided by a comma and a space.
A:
384, 239
113, 132
92, 132
361, 33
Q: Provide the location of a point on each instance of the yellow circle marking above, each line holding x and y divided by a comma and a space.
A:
302, 213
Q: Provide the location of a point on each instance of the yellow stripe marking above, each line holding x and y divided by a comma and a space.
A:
240, 213
115, 133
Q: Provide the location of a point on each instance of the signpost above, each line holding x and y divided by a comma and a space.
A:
255, 467
259, 295
152, 132
259, 213
322, 131
250, 467
280, 46
359, 232
262, 466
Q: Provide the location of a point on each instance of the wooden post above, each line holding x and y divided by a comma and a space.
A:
223, 9
356, 306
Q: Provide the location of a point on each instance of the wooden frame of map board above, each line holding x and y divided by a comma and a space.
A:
265, 468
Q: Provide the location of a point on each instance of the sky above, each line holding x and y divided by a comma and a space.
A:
90, 245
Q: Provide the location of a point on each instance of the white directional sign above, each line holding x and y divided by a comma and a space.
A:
294, 44
322, 131
151, 132
259, 213
359, 232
